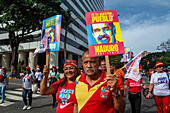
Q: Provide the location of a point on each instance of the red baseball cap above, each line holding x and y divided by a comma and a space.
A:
27, 67
159, 64
54, 66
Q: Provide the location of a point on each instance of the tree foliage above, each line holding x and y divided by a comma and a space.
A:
155, 57
20, 18
115, 59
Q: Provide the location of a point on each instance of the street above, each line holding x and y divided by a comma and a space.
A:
42, 104
14, 103
147, 105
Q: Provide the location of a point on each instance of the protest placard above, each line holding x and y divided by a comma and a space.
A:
126, 57
50, 39
104, 34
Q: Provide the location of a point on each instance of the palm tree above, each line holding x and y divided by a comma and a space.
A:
67, 20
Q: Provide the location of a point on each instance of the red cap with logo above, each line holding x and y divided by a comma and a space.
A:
159, 64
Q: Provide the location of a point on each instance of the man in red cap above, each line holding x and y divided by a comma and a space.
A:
161, 92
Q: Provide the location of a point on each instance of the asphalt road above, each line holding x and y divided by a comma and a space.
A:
14, 103
148, 105
42, 104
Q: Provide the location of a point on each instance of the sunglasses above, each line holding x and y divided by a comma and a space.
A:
160, 66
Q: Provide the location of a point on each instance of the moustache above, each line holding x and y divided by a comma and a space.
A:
88, 69
103, 37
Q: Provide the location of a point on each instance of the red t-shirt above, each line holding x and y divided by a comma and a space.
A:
65, 97
134, 87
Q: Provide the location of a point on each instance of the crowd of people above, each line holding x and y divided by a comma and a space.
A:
86, 91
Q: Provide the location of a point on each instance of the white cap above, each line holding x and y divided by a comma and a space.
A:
38, 69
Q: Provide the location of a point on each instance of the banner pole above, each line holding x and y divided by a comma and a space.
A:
107, 64
47, 58
114, 74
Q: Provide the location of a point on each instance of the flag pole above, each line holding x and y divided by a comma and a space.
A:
120, 68
107, 64
113, 74
47, 58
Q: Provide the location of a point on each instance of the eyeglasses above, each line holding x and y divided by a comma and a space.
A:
68, 68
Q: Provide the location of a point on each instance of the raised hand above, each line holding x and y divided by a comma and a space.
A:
45, 70
111, 82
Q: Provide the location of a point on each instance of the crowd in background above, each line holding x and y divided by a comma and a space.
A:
67, 92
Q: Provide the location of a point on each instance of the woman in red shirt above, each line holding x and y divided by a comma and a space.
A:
65, 87
134, 94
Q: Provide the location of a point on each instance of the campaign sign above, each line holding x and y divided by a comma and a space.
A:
126, 57
104, 34
52, 29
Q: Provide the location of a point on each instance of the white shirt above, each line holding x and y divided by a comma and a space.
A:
27, 81
161, 84
38, 75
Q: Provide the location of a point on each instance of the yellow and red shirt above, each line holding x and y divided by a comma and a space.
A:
94, 99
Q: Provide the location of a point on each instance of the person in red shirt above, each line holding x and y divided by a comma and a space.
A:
92, 93
65, 87
134, 94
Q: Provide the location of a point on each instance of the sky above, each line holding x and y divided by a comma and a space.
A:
145, 24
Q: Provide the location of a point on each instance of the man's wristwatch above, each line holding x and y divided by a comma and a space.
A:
118, 94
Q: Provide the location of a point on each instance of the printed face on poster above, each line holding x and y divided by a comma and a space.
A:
51, 30
104, 34
126, 57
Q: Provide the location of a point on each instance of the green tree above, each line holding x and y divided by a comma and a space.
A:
165, 46
165, 59
155, 57
20, 18
115, 59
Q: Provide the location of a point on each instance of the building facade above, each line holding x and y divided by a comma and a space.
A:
75, 45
